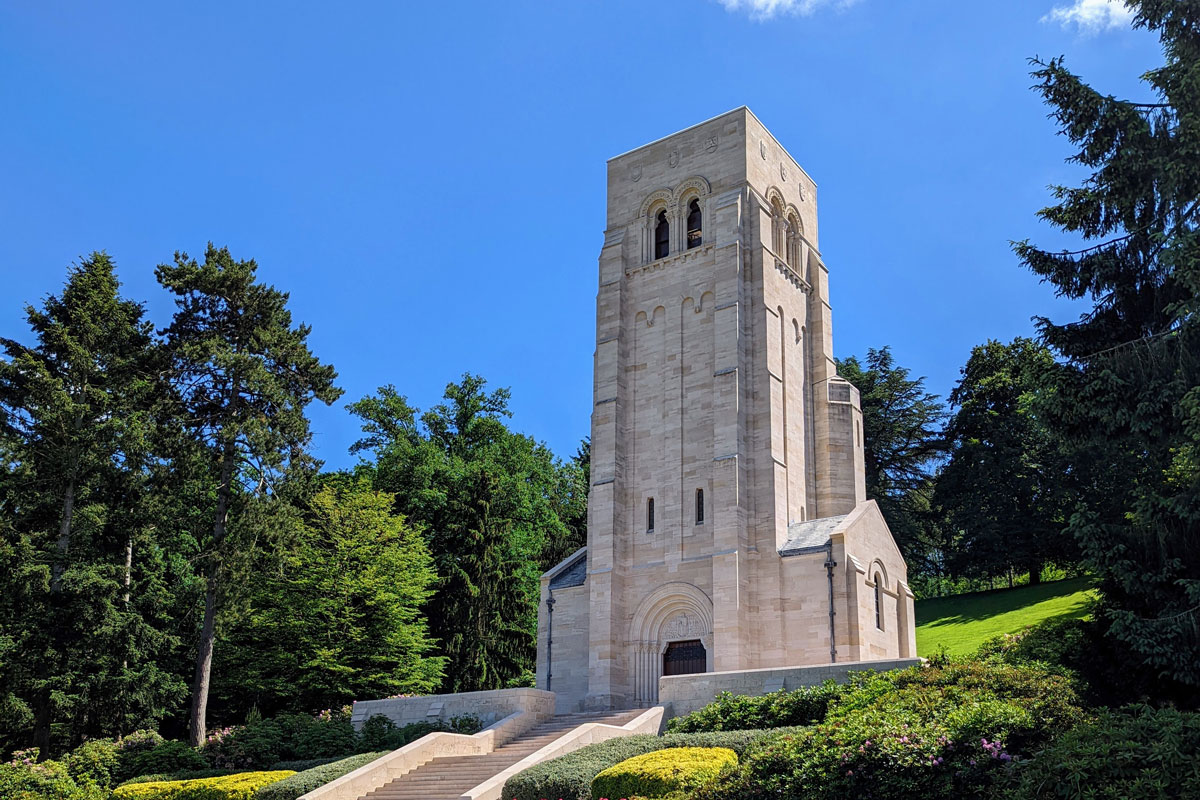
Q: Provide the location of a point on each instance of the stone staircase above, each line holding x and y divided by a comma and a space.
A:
450, 777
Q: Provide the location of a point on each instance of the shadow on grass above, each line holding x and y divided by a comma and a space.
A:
978, 606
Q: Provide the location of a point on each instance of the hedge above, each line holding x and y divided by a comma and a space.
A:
570, 777
781, 709
241, 786
309, 779
663, 772
185, 775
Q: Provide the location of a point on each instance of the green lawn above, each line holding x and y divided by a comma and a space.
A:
965, 621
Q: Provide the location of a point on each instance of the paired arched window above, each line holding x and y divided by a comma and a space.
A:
793, 241
650, 515
878, 601
699, 506
694, 237
662, 235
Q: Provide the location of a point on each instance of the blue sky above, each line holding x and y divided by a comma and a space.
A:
427, 179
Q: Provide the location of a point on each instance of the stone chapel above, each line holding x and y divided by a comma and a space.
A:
728, 524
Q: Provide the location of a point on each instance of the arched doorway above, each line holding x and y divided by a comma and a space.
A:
685, 658
670, 617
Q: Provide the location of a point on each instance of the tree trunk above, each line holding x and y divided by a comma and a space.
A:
196, 729
128, 569
1035, 573
200, 685
64, 538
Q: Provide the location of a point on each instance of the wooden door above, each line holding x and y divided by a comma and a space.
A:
684, 658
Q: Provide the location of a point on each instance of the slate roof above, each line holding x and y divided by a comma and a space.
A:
573, 574
809, 536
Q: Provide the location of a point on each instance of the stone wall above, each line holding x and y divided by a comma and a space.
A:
490, 707
684, 694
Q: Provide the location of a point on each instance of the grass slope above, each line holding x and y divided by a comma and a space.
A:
965, 621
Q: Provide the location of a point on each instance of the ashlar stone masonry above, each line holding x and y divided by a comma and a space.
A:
728, 525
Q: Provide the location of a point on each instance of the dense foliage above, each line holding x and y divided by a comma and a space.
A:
673, 771
1004, 491
1126, 391
1132, 752
940, 732
162, 523
497, 508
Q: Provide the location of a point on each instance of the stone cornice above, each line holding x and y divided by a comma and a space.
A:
671, 260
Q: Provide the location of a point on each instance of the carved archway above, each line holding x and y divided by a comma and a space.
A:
673, 612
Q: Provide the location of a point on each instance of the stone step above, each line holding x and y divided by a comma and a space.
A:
447, 778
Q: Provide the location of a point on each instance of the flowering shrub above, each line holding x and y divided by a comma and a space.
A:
663, 772
241, 786
948, 732
731, 712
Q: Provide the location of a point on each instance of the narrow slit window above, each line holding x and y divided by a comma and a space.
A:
694, 236
699, 506
879, 601
650, 515
662, 235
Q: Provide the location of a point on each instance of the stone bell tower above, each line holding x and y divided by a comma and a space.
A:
726, 451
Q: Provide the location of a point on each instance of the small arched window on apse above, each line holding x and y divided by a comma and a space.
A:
694, 218
650, 515
662, 235
699, 506
796, 327
878, 601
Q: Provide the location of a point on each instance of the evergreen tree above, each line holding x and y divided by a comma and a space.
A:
1126, 397
74, 413
244, 376
902, 444
1003, 489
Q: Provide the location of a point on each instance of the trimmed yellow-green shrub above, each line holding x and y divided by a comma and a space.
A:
241, 786
663, 772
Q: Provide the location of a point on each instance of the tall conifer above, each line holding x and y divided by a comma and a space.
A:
244, 376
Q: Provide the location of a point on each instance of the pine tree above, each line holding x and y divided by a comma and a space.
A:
74, 410
244, 376
1126, 399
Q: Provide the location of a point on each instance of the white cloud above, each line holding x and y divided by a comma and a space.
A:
1091, 16
765, 9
